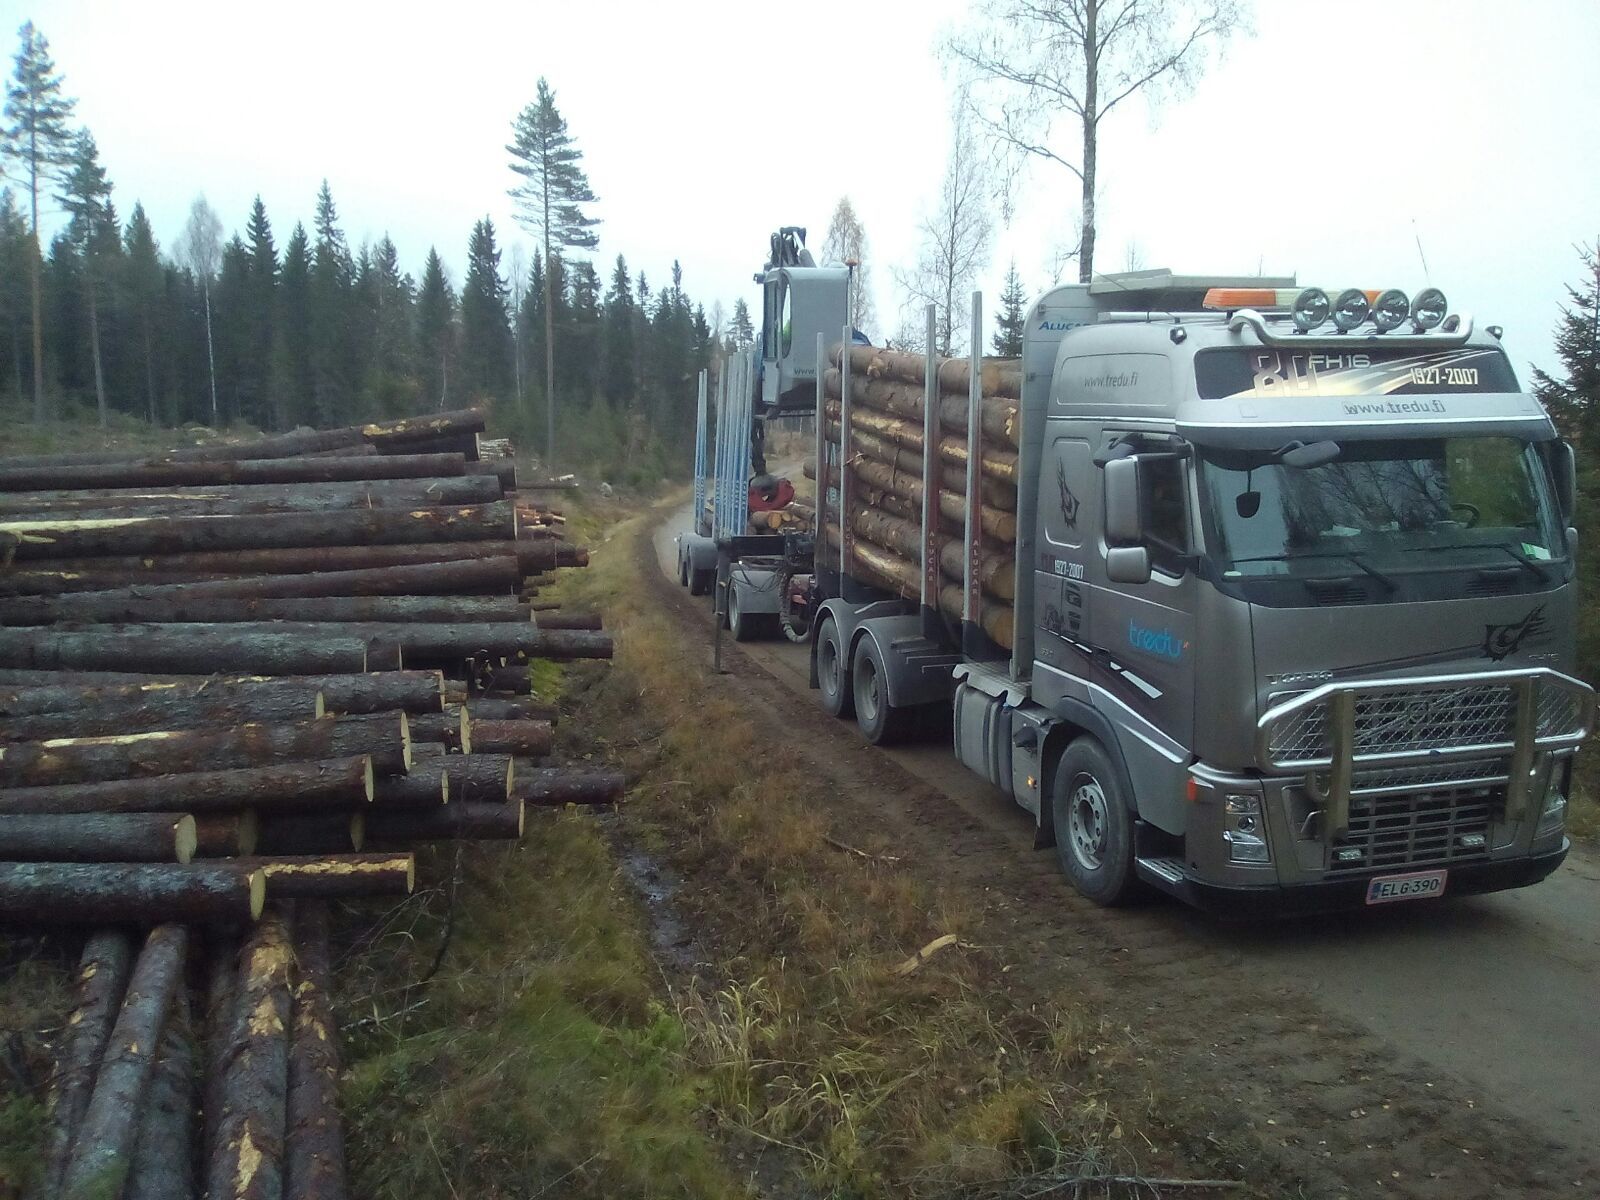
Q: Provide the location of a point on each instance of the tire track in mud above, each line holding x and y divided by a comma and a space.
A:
1239, 1068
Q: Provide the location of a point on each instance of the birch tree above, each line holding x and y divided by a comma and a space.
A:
200, 249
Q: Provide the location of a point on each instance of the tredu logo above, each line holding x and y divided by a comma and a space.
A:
1155, 641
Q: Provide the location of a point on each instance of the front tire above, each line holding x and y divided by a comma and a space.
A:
833, 678
1093, 824
881, 722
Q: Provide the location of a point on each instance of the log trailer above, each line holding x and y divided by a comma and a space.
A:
1291, 599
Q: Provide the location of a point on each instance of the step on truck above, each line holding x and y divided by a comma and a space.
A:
1293, 601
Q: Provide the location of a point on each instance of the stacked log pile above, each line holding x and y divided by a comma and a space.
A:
237, 682
887, 485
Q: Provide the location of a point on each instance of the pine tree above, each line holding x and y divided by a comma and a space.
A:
740, 331
1012, 317
37, 136
485, 332
436, 305
550, 205
85, 193
1574, 401
146, 288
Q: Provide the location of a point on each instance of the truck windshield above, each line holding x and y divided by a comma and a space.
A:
1439, 502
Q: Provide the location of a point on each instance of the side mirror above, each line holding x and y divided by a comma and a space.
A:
1564, 466
1128, 564
1124, 522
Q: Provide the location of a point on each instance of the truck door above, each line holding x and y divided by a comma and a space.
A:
1067, 509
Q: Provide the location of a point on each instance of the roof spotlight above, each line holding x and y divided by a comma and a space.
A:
1391, 310
1311, 309
1429, 308
1350, 309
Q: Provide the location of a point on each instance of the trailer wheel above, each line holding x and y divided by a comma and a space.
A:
683, 570
1093, 824
745, 627
881, 722
700, 581
833, 678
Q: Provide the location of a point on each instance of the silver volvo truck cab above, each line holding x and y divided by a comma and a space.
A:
1301, 629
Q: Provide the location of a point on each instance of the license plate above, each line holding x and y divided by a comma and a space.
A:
1418, 885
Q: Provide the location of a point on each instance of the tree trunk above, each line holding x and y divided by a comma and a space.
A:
222, 982
997, 463
549, 350
36, 265
79, 893
127, 605
452, 728
1001, 415
202, 473
244, 499
992, 493
340, 784
552, 786
94, 346
383, 434
426, 785
211, 356
1000, 377
334, 876
163, 1166
1091, 130
226, 835
269, 531
192, 648
247, 1159
474, 778
142, 755
468, 820
513, 680
167, 712
561, 620
486, 708
521, 739
994, 522
102, 978
314, 1166
420, 640
881, 568
97, 837
149, 369
313, 833
105, 1142
997, 571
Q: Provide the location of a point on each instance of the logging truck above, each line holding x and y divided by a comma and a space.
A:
1259, 595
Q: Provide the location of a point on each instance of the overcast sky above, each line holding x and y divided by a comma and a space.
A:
1324, 145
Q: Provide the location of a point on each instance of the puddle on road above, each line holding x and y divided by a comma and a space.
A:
657, 886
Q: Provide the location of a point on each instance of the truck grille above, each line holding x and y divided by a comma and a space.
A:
1418, 829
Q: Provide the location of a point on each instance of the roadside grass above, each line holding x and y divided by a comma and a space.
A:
1583, 805
35, 991
811, 1033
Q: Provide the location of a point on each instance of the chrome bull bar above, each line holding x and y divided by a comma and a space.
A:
1337, 728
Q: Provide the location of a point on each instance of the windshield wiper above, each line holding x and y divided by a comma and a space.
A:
1347, 555
1540, 572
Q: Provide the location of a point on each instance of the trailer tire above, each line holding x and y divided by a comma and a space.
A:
833, 675
683, 570
881, 722
1093, 824
700, 581
745, 627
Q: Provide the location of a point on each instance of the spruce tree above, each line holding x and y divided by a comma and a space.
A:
291, 347
1012, 317
37, 136
392, 374
1573, 401
551, 202
15, 256
85, 193
485, 331
260, 402
146, 291
436, 304
616, 350
331, 308
740, 330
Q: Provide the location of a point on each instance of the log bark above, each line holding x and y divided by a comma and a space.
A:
104, 1146
440, 424
999, 524
475, 778
312, 833
196, 648
115, 573
129, 605
39, 540
992, 493
103, 971
997, 571
545, 554
999, 376
487, 708
567, 620
187, 712
247, 1161
283, 445
341, 784
382, 736
204, 474
112, 503
333, 876
420, 640
314, 1167
452, 728
521, 739
222, 981
998, 464
97, 837
467, 820
1001, 415
162, 1167
513, 680
548, 786
76, 893
503, 469
426, 785
226, 835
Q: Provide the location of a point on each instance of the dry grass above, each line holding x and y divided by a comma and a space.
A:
807, 1037
35, 990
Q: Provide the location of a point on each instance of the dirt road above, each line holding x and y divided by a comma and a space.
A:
1393, 1042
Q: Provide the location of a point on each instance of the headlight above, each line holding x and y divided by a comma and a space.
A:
1553, 818
1350, 309
1244, 830
1391, 310
1311, 308
1429, 308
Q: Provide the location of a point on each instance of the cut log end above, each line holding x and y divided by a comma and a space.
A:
405, 740
370, 778
358, 831
185, 839
320, 705
258, 894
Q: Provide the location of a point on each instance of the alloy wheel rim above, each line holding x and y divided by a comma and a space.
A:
1088, 822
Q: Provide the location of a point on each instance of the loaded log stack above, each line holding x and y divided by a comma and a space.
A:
237, 681
886, 465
